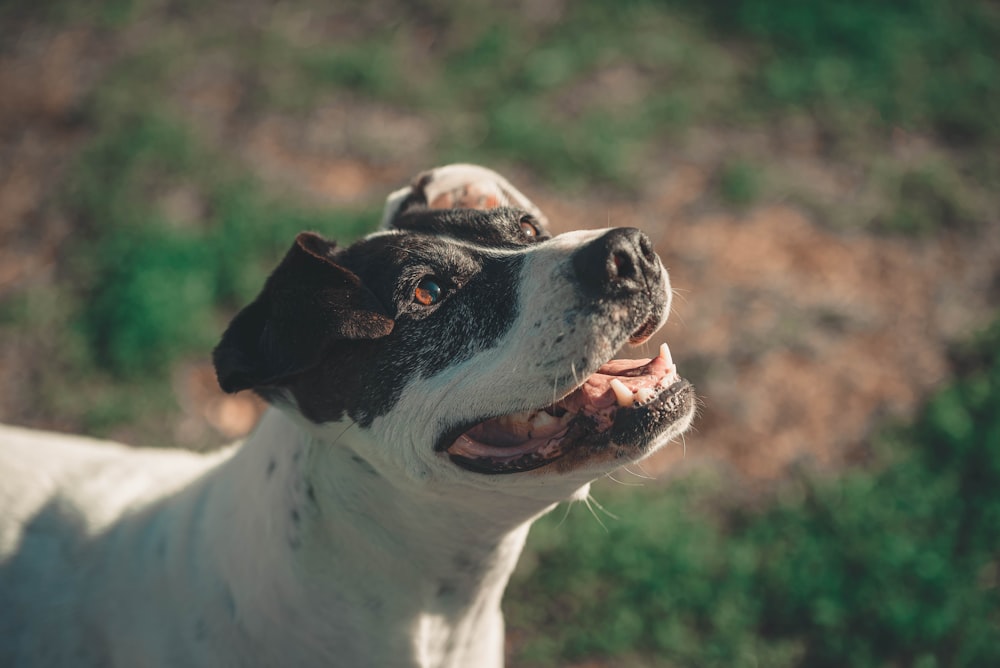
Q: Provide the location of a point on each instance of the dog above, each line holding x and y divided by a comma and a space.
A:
434, 388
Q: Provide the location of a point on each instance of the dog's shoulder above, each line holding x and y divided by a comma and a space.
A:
64, 487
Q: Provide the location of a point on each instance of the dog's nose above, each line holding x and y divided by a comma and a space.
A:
620, 262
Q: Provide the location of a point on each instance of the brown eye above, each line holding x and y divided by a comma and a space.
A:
528, 227
428, 292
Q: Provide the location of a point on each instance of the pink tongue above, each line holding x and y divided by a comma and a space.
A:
596, 391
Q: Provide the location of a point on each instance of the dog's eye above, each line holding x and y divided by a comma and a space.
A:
428, 292
529, 227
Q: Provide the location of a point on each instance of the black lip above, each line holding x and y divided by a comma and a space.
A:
630, 426
528, 462
632, 430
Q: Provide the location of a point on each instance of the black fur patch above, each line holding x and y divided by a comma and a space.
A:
496, 228
363, 379
299, 336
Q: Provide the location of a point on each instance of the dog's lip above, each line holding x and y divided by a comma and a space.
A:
530, 439
645, 331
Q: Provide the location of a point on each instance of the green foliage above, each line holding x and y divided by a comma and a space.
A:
927, 199
915, 62
150, 287
368, 68
144, 283
104, 14
897, 565
740, 183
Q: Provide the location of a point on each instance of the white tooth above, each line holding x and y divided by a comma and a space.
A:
622, 393
544, 424
644, 394
665, 354
666, 380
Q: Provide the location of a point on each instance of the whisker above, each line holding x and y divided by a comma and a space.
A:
624, 484
586, 502
643, 469
346, 429
565, 514
643, 475
602, 508
679, 293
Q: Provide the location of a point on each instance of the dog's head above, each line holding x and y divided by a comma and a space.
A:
466, 341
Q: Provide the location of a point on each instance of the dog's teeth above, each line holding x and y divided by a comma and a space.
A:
622, 394
644, 394
515, 424
665, 354
544, 424
542, 418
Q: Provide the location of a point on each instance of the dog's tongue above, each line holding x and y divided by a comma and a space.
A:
623, 382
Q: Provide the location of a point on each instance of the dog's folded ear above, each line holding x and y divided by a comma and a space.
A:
307, 303
457, 186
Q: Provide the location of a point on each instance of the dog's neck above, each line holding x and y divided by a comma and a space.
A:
434, 567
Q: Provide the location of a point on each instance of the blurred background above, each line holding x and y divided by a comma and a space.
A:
822, 179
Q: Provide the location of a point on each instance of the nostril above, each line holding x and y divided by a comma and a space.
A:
617, 263
624, 267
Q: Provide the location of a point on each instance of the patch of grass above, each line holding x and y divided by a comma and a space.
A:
151, 287
104, 14
895, 565
140, 287
928, 198
924, 63
740, 183
371, 68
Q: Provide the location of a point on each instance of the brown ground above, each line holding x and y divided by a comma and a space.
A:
801, 336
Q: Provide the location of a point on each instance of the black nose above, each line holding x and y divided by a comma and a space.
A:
620, 262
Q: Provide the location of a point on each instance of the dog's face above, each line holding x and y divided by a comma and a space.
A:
469, 344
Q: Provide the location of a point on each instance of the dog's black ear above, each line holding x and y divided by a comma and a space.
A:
307, 303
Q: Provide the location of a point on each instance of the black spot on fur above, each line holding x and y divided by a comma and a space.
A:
200, 630
271, 465
296, 518
463, 563
374, 604
229, 601
364, 465
446, 589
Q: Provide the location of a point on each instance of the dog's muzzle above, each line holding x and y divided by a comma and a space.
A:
622, 408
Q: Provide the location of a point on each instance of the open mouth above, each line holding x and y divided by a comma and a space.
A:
624, 401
